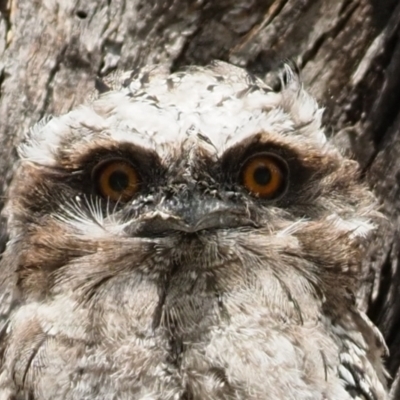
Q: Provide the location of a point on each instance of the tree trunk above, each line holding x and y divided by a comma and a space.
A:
348, 52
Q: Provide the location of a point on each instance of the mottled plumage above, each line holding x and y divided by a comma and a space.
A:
226, 269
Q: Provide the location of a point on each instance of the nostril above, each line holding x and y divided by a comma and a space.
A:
81, 14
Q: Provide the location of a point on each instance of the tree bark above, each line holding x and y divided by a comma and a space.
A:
348, 52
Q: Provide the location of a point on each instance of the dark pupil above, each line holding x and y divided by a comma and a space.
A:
262, 175
118, 181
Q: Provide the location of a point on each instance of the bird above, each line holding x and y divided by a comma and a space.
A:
187, 235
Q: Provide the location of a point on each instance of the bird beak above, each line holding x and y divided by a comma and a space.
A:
192, 216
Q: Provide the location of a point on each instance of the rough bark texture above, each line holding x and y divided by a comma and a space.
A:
348, 52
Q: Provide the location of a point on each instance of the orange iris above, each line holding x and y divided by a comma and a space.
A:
264, 176
117, 180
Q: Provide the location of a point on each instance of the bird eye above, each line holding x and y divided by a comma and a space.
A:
117, 180
265, 175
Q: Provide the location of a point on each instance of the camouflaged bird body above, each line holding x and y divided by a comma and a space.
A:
194, 287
